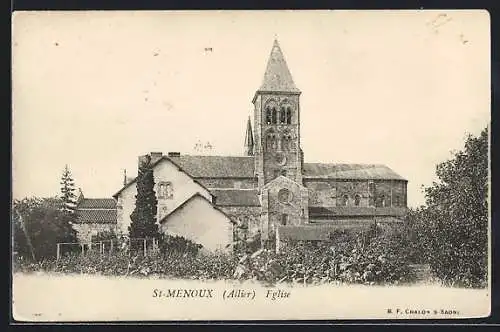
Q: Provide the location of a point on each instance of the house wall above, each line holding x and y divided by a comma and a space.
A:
200, 222
183, 188
85, 231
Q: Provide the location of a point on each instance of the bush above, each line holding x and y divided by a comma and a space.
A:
178, 244
348, 257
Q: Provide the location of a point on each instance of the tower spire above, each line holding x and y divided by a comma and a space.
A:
277, 76
249, 139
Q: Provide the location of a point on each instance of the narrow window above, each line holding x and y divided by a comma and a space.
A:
284, 219
283, 115
345, 200
357, 200
396, 201
275, 115
268, 115
288, 115
382, 201
162, 190
271, 142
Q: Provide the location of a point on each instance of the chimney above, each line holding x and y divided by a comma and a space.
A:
125, 177
174, 154
155, 156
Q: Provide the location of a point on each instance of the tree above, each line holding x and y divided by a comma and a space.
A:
42, 223
452, 228
68, 191
144, 215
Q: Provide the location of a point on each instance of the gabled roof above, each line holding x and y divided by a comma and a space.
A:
97, 203
216, 166
277, 77
350, 171
187, 201
164, 158
236, 197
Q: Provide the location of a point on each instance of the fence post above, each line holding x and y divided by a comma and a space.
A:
83, 249
101, 248
144, 247
111, 246
58, 253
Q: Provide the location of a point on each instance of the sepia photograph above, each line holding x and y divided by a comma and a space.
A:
250, 165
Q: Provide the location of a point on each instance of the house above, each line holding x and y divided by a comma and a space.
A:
94, 216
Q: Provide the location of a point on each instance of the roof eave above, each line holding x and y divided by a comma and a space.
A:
261, 91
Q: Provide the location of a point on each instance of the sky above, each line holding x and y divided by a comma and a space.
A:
95, 90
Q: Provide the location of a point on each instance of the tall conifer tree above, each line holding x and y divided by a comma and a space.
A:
144, 215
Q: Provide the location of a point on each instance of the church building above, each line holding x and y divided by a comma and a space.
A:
269, 189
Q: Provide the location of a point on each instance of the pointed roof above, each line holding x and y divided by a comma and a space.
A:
277, 76
248, 135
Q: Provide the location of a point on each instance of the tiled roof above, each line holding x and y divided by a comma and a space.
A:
188, 201
236, 197
355, 211
277, 76
97, 203
96, 216
216, 166
350, 171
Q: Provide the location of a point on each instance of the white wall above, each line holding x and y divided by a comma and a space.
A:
200, 222
183, 188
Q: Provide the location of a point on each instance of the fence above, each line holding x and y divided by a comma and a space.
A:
107, 247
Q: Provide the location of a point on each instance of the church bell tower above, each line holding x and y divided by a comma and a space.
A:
277, 123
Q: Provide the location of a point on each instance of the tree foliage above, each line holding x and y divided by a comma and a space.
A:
68, 195
451, 230
43, 223
143, 217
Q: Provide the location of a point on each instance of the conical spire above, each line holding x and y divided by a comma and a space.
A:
277, 76
249, 139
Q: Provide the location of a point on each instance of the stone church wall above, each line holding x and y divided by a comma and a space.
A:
228, 183
329, 193
245, 215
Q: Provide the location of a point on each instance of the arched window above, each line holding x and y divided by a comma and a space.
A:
165, 190
284, 219
271, 141
282, 114
288, 115
268, 115
275, 115
357, 200
345, 200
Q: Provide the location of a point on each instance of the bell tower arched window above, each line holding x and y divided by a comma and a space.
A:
271, 141
269, 116
345, 200
274, 116
283, 114
288, 115
357, 200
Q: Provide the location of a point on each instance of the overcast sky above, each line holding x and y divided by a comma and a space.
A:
96, 89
